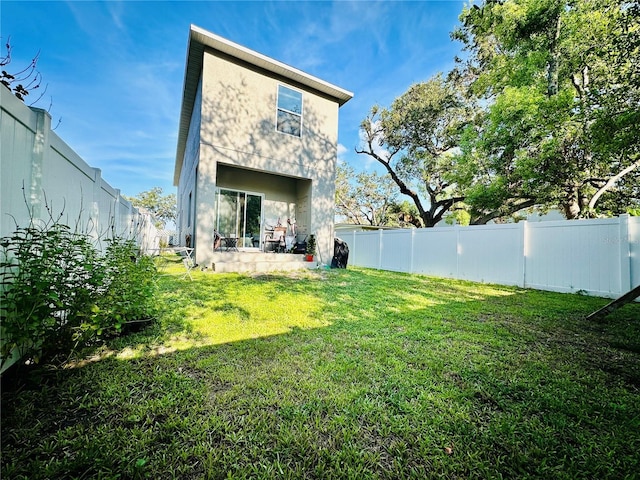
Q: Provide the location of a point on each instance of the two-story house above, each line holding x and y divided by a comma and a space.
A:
257, 145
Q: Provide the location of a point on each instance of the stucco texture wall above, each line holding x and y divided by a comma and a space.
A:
238, 128
187, 191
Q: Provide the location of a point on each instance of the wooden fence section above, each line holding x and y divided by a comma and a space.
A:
597, 257
42, 174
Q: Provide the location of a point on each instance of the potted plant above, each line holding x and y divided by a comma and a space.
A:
311, 248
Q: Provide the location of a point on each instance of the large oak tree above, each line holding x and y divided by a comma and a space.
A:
415, 140
559, 79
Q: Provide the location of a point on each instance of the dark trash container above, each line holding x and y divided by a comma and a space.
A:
340, 254
300, 246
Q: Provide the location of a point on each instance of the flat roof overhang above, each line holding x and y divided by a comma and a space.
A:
199, 40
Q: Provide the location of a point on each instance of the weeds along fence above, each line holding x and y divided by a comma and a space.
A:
44, 179
595, 257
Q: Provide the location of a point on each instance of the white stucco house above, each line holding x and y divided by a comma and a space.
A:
257, 145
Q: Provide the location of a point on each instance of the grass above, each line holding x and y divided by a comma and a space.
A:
341, 374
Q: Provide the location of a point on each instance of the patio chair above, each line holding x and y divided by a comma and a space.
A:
187, 261
276, 240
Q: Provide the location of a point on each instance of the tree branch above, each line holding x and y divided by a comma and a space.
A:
611, 182
404, 189
516, 206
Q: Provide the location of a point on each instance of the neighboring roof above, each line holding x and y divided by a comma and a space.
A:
199, 39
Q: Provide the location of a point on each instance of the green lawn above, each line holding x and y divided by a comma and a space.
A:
341, 374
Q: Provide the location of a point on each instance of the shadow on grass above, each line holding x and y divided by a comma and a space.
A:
375, 375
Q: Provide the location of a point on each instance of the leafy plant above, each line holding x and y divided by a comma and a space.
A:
311, 245
59, 294
50, 278
130, 286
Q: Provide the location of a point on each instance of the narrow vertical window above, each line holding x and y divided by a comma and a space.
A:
189, 211
289, 111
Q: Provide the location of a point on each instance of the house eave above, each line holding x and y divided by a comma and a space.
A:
199, 40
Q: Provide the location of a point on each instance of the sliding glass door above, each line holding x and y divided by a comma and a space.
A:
239, 215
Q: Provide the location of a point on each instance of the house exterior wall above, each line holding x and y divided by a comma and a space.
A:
238, 128
187, 184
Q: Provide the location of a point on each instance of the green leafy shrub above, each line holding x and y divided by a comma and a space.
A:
50, 278
59, 294
311, 245
130, 286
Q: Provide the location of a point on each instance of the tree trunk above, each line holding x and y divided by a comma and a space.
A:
554, 60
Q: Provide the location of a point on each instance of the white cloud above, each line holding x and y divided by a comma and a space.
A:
342, 150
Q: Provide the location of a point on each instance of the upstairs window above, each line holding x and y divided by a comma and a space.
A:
289, 111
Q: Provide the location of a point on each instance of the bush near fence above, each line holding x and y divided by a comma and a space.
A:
43, 180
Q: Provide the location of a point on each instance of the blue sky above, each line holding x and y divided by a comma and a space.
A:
114, 70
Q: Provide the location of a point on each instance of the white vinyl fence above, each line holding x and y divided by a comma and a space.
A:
41, 174
596, 257
42, 178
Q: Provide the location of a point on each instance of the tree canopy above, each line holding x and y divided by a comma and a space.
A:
163, 207
370, 199
544, 110
560, 127
414, 141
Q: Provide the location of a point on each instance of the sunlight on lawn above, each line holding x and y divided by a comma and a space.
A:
244, 309
217, 309
251, 315
418, 298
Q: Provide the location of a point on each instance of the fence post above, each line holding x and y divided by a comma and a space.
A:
94, 213
40, 150
625, 254
116, 214
524, 232
352, 252
379, 249
413, 234
458, 250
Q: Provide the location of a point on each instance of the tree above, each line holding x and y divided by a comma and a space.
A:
403, 215
163, 207
363, 198
415, 139
559, 78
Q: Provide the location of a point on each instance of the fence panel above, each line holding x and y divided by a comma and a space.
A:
365, 251
435, 252
395, 250
491, 254
575, 256
634, 251
17, 140
68, 184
